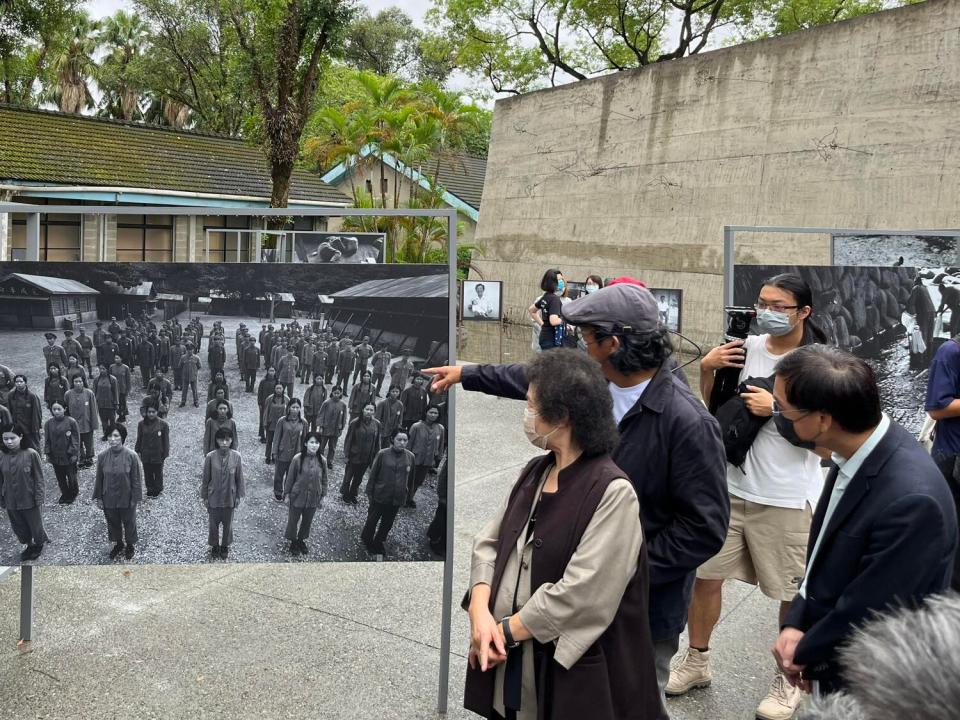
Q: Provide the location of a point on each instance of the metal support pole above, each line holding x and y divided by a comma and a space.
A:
729, 260
26, 603
33, 236
446, 608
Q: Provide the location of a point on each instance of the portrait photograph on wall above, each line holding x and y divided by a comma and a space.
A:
176, 413
889, 316
344, 248
481, 299
670, 307
896, 250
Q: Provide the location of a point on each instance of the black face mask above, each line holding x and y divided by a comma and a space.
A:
788, 433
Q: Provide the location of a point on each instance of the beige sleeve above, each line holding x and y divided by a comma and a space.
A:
485, 548
576, 611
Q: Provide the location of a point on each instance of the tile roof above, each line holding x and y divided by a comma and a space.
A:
55, 286
62, 149
461, 175
434, 286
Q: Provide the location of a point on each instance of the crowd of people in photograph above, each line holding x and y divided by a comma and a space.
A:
313, 388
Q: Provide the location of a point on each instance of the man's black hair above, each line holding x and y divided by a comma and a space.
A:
824, 378
638, 351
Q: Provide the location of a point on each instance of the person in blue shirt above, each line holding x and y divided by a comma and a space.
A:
943, 405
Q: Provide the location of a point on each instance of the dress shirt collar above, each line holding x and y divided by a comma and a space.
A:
850, 466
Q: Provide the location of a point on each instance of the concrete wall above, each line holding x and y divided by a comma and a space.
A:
850, 125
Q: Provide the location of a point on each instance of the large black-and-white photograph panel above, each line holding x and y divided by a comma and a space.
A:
886, 315
896, 250
188, 413
481, 299
345, 248
670, 307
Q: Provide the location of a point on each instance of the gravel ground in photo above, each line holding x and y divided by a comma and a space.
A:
173, 526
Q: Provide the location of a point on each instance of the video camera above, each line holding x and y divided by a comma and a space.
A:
726, 381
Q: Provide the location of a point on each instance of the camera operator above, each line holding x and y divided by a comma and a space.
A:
771, 495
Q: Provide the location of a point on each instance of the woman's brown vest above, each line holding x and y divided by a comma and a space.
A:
615, 679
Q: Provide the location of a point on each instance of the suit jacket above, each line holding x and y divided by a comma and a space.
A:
890, 542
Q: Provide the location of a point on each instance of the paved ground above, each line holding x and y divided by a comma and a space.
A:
338, 640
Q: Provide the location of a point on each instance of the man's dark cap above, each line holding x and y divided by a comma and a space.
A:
622, 308
50, 336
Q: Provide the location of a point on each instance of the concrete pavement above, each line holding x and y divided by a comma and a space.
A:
338, 640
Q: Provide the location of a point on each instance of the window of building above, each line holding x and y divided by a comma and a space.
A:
59, 237
223, 245
144, 238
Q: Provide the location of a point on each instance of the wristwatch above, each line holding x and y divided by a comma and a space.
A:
507, 635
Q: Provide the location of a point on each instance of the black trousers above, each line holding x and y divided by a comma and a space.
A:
948, 466
328, 375
250, 376
177, 378
86, 445
330, 442
122, 409
153, 478
192, 386
378, 381
419, 475
67, 479
352, 477
108, 418
146, 372
28, 526
121, 524
269, 455
279, 475
299, 521
220, 517
380, 519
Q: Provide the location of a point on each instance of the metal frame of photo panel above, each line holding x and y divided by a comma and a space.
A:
463, 300
33, 214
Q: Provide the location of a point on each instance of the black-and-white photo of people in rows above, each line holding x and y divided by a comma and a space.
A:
184, 413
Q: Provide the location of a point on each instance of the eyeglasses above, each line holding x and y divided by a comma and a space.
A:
777, 410
760, 306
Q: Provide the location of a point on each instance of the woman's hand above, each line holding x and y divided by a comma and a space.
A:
729, 355
443, 377
486, 637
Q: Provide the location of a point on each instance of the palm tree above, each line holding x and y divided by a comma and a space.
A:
383, 96
453, 118
124, 36
72, 65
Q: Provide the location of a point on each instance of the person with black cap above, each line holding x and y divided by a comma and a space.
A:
102, 338
86, 347
53, 353
70, 345
669, 445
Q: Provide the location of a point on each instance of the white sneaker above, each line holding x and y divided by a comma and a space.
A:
690, 670
781, 701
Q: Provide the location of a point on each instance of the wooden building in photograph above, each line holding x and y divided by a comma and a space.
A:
40, 302
116, 301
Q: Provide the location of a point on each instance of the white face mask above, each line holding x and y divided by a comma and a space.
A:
530, 429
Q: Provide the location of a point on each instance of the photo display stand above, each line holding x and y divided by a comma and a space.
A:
482, 301
33, 215
892, 300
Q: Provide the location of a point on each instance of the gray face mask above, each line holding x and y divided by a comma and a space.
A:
774, 323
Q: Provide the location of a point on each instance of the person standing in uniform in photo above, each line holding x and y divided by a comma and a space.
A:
121, 371
71, 346
381, 364
387, 491
359, 449
333, 358
287, 369
86, 349
25, 409
53, 353
364, 352
287, 442
82, 407
189, 372
117, 491
147, 359
545, 312
389, 414
331, 421
304, 489
251, 363
221, 489
345, 363
361, 395
75, 369
264, 391
177, 351
274, 408
319, 364
415, 401
101, 338
163, 353
216, 355
218, 382
222, 420
306, 361
427, 444
401, 371
22, 491
313, 400
153, 447
161, 390
61, 445
55, 387
771, 496
106, 390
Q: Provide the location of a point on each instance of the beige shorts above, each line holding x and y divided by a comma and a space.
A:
765, 546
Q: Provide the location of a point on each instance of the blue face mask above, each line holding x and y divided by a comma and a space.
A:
561, 285
591, 289
774, 323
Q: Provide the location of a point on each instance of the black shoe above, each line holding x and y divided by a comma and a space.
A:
294, 548
152, 494
278, 497
183, 404
368, 544
263, 441
35, 551
224, 550
303, 547
63, 500
196, 404
25, 555
128, 553
329, 464
379, 549
411, 504
214, 552
117, 549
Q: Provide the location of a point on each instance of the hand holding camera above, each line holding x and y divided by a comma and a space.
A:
730, 355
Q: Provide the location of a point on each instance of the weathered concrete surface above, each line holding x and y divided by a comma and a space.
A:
849, 125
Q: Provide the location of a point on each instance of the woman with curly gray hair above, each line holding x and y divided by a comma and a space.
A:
558, 591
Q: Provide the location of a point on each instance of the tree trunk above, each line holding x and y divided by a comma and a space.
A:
128, 104
280, 173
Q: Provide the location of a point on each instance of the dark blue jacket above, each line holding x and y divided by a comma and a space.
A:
890, 542
670, 448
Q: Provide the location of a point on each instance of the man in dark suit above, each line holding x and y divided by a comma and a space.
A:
885, 530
